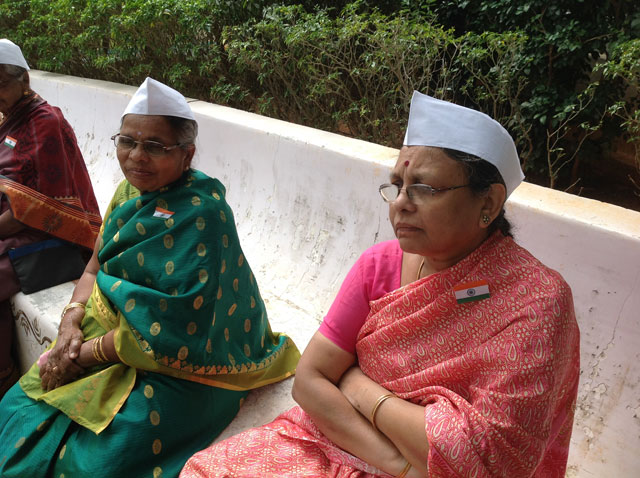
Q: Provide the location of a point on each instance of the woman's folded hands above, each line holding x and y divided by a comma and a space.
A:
401, 421
316, 390
60, 366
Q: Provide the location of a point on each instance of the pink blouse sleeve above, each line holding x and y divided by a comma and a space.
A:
375, 273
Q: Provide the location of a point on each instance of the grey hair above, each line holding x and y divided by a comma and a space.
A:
186, 130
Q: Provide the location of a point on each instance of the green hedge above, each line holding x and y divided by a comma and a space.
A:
355, 73
351, 67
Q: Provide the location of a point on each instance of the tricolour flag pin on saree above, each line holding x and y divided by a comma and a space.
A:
471, 291
10, 142
162, 213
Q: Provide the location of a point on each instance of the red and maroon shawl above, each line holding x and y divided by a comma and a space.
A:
43, 177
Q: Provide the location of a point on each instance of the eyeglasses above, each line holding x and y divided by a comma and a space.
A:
152, 148
417, 193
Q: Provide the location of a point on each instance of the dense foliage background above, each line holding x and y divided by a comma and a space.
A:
561, 76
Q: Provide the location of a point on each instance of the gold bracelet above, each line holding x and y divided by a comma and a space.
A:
72, 305
94, 350
101, 350
374, 410
404, 471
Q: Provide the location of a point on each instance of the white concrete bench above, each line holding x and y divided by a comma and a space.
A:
36, 320
306, 205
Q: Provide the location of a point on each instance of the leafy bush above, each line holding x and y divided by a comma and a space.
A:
566, 38
624, 66
355, 72
175, 41
556, 75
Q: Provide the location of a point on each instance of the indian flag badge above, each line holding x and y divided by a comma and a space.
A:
471, 291
10, 142
162, 213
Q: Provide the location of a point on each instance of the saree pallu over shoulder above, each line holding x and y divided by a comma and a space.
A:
186, 300
174, 285
43, 174
498, 377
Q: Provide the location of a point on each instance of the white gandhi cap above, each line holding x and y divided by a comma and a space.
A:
11, 54
155, 98
441, 124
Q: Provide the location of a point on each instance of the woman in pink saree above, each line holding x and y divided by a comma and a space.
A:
449, 352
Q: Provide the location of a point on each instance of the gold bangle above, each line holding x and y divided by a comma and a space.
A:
404, 471
94, 350
101, 350
72, 305
374, 410
98, 353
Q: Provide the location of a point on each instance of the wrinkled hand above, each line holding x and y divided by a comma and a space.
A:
54, 376
60, 367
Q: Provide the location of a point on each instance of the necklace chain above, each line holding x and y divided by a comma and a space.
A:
420, 269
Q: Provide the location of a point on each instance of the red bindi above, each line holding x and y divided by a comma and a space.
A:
406, 163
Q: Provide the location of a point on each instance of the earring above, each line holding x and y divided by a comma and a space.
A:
486, 219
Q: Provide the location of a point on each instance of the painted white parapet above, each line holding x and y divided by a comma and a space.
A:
306, 205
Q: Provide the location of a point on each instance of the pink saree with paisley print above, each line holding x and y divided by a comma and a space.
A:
497, 376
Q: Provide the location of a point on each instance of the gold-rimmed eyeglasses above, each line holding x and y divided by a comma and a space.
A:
152, 148
417, 193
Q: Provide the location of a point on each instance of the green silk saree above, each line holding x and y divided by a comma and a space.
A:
191, 331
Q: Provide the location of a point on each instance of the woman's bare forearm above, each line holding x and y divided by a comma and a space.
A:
98, 351
402, 422
344, 426
315, 389
84, 287
72, 318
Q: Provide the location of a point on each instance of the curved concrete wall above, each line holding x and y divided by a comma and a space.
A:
306, 205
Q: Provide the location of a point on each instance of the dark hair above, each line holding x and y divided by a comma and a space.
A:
481, 174
14, 71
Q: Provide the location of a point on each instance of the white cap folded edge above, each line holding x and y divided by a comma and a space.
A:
11, 54
442, 124
155, 98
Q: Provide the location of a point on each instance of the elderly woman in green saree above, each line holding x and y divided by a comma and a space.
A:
165, 332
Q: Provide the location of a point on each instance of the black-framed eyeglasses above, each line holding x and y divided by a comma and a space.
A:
417, 193
152, 148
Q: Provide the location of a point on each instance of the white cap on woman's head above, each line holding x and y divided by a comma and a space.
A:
11, 54
155, 98
441, 124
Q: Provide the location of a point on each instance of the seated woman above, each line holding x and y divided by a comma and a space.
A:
165, 332
45, 190
450, 351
